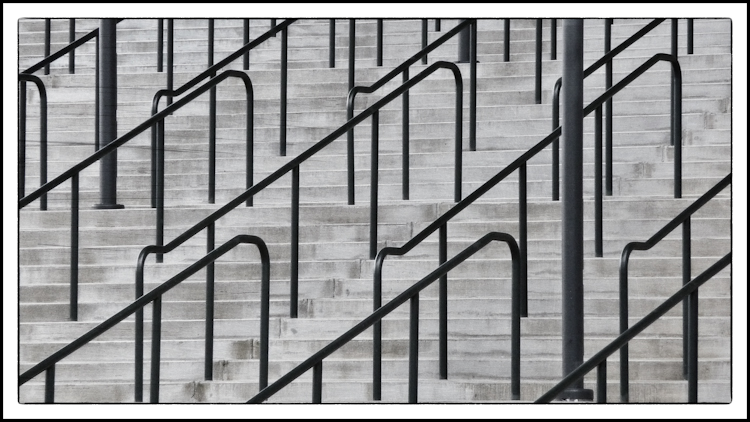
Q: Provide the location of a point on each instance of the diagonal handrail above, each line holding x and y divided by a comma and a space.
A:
154, 296
599, 360
441, 224
404, 68
315, 361
606, 59
681, 219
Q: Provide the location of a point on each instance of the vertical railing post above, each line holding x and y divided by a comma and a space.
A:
108, 113
506, 40
49, 385
71, 39
608, 85
572, 206
690, 36
160, 46
250, 138
674, 54
245, 41
516, 308
74, 248
463, 45
405, 139
208, 361
556, 142
155, 350
96, 94
379, 50
413, 348
211, 121
458, 166
601, 382
598, 241
160, 163
273, 24
317, 392
21, 139
352, 45
294, 277
138, 393
522, 236
332, 43
282, 115
538, 61
677, 129
553, 39
374, 185
686, 272
437, 25
473, 88
443, 302
424, 39
693, 348
170, 58
623, 325
47, 36
265, 304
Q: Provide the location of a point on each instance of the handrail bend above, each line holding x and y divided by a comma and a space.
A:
441, 224
404, 68
599, 360
681, 219
22, 79
158, 150
457, 171
155, 296
412, 293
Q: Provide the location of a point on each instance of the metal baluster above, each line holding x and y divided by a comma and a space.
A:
245, 41
374, 186
473, 89
413, 348
160, 162
608, 85
598, 183
160, 46
46, 44
332, 43
71, 39
294, 243
352, 44
155, 350
686, 277
74, 248
538, 72
211, 121
437, 25
170, 58
553, 39
424, 39
601, 382
506, 41
21, 139
282, 116
379, 60
690, 36
208, 361
49, 385
405, 139
522, 236
443, 299
317, 383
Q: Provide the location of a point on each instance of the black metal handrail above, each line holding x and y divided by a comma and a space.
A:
681, 219
315, 362
604, 60
599, 360
22, 79
158, 150
442, 224
155, 296
457, 172
210, 73
74, 172
404, 68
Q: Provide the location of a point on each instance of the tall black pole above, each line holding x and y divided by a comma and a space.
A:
572, 206
108, 112
463, 45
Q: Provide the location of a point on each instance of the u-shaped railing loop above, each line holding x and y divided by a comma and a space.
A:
604, 60
22, 79
404, 69
457, 173
441, 224
209, 73
689, 310
155, 295
207, 261
599, 360
315, 361
159, 147
675, 135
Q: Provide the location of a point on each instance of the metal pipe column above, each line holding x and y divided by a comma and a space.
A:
572, 206
108, 112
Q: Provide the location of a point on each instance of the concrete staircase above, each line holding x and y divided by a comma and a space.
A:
335, 272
